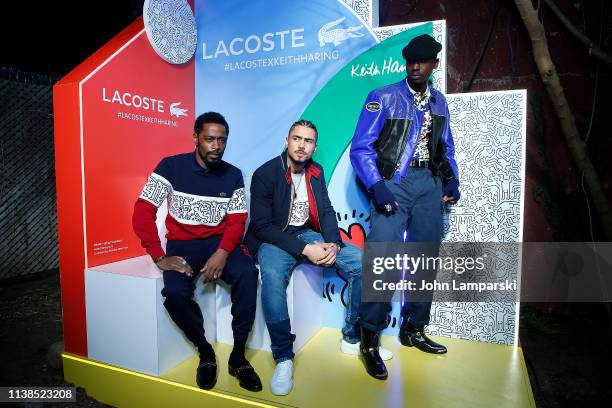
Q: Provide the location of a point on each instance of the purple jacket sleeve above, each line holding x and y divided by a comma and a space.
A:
363, 156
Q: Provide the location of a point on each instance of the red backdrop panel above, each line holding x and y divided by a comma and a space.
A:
113, 123
128, 127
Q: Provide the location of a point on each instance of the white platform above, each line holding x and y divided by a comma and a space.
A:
128, 326
303, 301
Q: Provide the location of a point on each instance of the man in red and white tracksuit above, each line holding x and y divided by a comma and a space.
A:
206, 220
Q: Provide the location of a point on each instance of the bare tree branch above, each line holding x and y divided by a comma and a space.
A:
594, 49
576, 145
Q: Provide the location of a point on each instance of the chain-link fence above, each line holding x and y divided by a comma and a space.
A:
28, 217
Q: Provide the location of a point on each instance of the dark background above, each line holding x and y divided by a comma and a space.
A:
45, 38
566, 346
53, 37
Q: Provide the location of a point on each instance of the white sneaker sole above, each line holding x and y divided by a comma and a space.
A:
281, 390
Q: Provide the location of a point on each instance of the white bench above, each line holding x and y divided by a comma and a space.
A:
128, 326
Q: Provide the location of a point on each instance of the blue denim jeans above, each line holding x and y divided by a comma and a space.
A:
276, 267
419, 195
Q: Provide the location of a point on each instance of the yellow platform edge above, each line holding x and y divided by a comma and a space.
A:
124, 388
481, 368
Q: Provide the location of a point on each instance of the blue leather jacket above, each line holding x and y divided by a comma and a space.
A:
387, 133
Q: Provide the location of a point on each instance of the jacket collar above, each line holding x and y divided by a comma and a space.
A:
311, 169
433, 93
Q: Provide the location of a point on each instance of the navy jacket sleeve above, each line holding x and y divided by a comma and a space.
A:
262, 219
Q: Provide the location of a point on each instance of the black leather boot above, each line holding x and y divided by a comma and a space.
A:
411, 335
369, 355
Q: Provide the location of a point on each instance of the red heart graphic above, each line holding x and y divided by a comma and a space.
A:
355, 235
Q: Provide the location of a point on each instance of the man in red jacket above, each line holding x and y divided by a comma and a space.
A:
206, 220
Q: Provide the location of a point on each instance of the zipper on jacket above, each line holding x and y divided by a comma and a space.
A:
291, 202
290, 208
399, 160
399, 157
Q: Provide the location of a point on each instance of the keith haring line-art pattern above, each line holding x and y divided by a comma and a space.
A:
171, 29
197, 210
299, 213
362, 8
487, 322
237, 203
488, 130
489, 133
439, 74
382, 33
156, 189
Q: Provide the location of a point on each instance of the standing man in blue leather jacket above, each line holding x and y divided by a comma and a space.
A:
403, 152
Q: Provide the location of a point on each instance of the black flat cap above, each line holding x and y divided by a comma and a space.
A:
421, 48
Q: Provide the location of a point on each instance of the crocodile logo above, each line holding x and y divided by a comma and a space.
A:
330, 35
176, 111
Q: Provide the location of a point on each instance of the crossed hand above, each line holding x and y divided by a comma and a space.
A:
321, 253
212, 269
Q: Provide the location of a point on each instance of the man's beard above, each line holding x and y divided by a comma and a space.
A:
299, 159
208, 163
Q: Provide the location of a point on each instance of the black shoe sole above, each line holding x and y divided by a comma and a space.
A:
381, 377
205, 387
232, 372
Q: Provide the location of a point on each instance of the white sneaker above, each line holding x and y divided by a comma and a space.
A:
282, 379
353, 349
